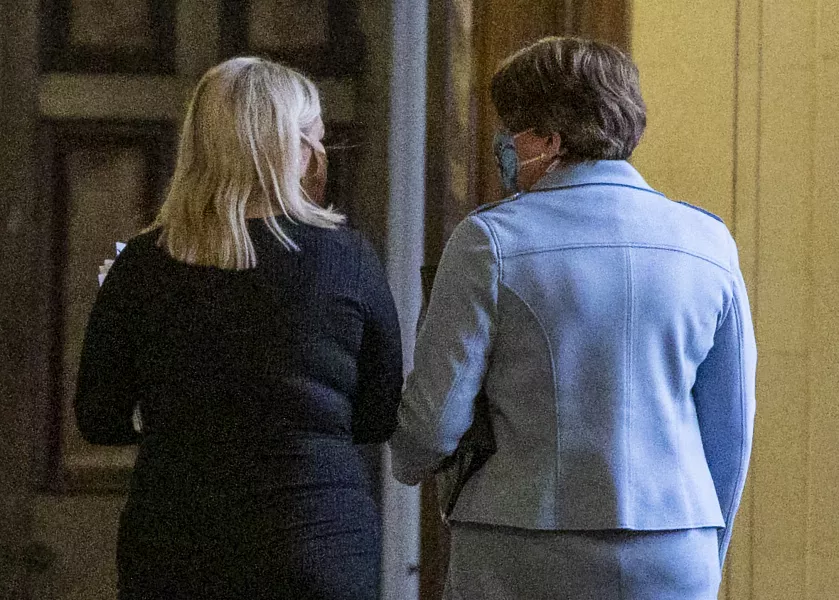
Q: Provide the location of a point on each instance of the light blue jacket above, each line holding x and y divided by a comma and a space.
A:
611, 330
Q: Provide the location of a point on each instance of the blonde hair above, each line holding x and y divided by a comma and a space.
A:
240, 154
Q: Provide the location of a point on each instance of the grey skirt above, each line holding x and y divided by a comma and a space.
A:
500, 563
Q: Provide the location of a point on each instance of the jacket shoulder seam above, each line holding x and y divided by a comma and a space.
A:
495, 244
702, 210
490, 205
582, 246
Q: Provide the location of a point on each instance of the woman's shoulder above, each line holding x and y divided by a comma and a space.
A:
146, 240
142, 248
349, 251
346, 242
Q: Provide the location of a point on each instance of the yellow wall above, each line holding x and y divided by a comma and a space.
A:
744, 120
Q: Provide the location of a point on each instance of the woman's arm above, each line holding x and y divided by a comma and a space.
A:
105, 393
451, 354
724, 393
380, 358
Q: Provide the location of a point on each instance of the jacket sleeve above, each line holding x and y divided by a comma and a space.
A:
724, 394
105, 391
451, 354
380, 359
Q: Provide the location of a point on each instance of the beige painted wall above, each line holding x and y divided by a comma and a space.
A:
744, 120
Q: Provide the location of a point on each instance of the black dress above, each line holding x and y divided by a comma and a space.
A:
254, 387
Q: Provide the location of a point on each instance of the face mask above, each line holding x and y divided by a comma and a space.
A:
507, 160
504, 146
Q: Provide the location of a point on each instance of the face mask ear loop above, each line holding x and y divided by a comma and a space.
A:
530, 160
557, 161
554, 165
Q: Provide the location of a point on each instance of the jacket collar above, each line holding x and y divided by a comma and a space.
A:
600, 172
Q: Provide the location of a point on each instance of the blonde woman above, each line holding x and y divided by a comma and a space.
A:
259, 337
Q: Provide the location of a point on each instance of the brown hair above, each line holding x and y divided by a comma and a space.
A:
586, 91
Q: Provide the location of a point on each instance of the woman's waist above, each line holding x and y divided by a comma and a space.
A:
292, 464
544, 486
227, 513
232, 441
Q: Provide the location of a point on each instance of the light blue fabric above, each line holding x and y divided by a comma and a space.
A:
504, 563
611, 330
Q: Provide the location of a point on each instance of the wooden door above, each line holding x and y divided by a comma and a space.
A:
113, 81
98, 89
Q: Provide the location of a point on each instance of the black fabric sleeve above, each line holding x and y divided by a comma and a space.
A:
380, 360
105, 391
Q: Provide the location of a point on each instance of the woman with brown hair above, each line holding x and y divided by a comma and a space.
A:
609, 330
258, 336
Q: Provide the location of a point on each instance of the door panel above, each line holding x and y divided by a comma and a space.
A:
105, 180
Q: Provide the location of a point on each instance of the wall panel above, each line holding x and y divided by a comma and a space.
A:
778, 473
687, 77
823, 473
757, 83
744, 226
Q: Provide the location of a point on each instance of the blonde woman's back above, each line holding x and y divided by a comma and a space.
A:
253, 384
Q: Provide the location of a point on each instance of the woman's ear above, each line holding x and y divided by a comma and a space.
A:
553, 147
